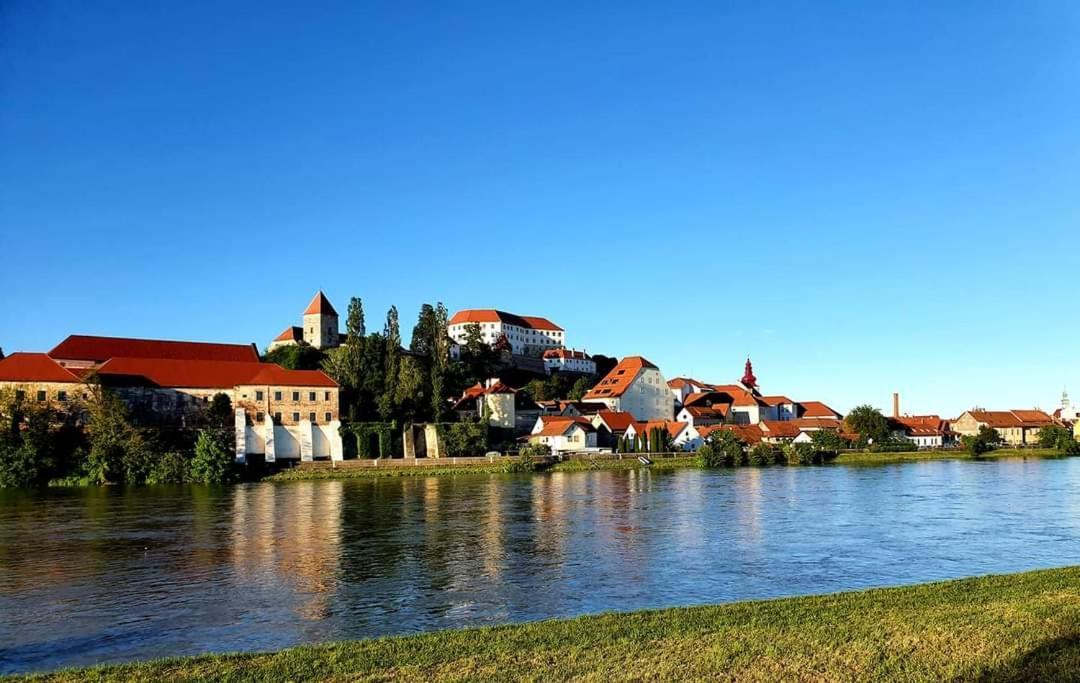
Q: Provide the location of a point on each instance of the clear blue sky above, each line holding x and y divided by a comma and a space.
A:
865, 197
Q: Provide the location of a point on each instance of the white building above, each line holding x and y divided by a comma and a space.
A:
568, 360
635, 386
564, 434
527, 335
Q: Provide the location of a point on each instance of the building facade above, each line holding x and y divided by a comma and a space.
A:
635, 386
568, 360
319, 329
527, 335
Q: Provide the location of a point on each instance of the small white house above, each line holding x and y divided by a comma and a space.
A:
568, 360
564, 434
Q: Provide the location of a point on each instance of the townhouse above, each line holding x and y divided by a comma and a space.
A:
635, 386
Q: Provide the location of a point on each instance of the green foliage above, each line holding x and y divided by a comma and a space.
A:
172, 467
581, 386
827, 441
868, 423
463, 438
985, 441
220, 412
801, 454
722, 448
382, 433
118, 452
534, 449
1055, 436
300, 356
762, 455
524, 463
213, 460
558, 386
891, 445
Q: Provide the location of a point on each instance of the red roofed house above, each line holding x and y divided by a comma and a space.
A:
681, 387
320, 328
817, 410
506, 407
635, 386
684, 437
562, 434
528, 335
1016, 427
568, 360
610, 427
279, 413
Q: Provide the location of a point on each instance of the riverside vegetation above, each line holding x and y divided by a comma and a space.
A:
1019, 627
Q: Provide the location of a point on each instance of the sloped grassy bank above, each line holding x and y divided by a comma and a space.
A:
1017, 627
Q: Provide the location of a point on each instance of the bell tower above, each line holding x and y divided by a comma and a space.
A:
748, 379
321, 323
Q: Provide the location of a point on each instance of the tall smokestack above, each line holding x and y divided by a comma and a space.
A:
896, 404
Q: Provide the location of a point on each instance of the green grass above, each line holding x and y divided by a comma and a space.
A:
628, 462
300, 474
1020, 627
862, 458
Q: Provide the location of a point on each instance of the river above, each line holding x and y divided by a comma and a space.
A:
112, 574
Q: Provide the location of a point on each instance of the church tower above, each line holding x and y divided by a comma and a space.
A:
321, 323
748, 379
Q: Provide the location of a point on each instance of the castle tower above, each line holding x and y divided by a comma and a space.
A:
321, 323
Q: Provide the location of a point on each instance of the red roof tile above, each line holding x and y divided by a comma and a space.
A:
817, 409
775, 400
34, 367
748, 434
779, 429
566, 354
79, 347
320, 305
490, 315
616, 382
616, 420
739, 395
292, 333
206, 374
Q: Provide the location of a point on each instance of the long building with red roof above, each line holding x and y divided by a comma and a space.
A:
527, 335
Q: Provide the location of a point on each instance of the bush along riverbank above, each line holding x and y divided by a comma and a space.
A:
1019, 627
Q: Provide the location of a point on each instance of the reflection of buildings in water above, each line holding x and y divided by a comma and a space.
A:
291, 534
748, 502
549, 502
493, 535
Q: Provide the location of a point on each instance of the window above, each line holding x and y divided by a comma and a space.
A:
326, 396
20, 395
259, 417
277, 395
329, 417
296, 417
311, 418
258, 395
41, 395
61, 396
311, 396
277, 418
296, 395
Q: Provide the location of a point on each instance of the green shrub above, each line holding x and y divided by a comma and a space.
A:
762, 455
213, 461
463, 438
894, 446
801, 454
534, 449
170, 468
985, 441
522, 464
722, 448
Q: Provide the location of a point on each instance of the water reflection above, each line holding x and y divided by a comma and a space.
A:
111, 574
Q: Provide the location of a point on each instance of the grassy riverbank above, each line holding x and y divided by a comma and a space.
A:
630, 461
1017, 627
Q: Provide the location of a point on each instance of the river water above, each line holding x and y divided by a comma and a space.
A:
111, 574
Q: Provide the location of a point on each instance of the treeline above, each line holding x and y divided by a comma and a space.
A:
95, 441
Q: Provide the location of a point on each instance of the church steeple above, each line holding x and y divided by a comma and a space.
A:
748, 379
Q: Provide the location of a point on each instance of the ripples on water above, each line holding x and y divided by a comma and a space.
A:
95, 575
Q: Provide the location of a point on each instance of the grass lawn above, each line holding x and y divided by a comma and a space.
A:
1020, 627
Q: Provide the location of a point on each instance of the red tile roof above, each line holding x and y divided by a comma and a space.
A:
292, 333
320, 305
739, 396
817, 423
34, 367
1034, 418
490, 315
748, 434
206, 374
779, 429
616, 420
566, 354
996, 418
79, 347
673, 428
557, 425
616, 382
775, 400
817, 409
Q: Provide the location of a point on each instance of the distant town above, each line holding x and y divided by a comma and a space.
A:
318, 392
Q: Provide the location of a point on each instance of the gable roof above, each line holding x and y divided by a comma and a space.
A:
491, 315
779, 429
34, 367
79, 347
739, 395
616, 382
566, 354
320, 305
616, 420
816, 409
292, 333
996, 418
748, 434
776, 400
205, 374
557, 425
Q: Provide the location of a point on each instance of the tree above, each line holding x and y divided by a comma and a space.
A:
1054, 436
604, 364
388, 404
354, 319
722, 448
987, 439
301, 356
868, 422
118, 452
580, 388
827, 441
762, 455
220, 412
213, 461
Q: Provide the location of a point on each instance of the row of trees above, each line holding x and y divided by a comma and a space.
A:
95, 441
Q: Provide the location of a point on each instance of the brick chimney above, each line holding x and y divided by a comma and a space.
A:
896, 404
